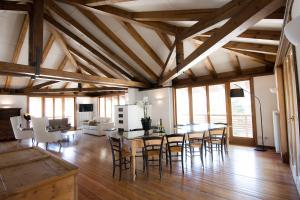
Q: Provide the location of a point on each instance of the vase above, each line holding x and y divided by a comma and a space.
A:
146, 123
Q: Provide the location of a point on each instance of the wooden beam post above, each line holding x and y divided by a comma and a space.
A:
36, 18
248, 15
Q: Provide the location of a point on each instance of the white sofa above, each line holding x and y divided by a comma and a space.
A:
97, 126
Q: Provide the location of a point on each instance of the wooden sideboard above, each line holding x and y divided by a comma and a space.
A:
6, 132
33, 173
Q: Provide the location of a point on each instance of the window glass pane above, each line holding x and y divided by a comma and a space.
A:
102, 107
114, 103
217, 103
58, 108
199, 105
122, 100
35, 106
182, 106
49, 108
241, 111
69, 110
108, 106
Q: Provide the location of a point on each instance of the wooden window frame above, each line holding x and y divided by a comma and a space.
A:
53, 100
241, 141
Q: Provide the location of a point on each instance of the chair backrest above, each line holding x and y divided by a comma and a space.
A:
153, 143
16, 124
175, 140
116, 147
39, 128
217, 132
195, 137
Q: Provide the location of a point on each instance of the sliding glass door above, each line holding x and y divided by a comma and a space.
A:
199, 105
217, 104
213, 104
53, 108
182, 106
241, 111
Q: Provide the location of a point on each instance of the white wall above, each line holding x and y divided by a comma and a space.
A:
295, 13
85, 115
262, 87
14, 101
161, 101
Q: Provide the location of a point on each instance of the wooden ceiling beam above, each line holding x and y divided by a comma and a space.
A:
175, 15
189, 15
112, 55
36, 16
58, 90
251, 47
112, 36
90, 62
210, 67
18, 48
165, 39
103, 2
245, 46
46, 50
235, 63
260, 58
224, 77
48, 83
248, 15
225, 12
15, 6
88, 47
88, 70
125, 16
142, 42
52, 74
47, 47
253, 34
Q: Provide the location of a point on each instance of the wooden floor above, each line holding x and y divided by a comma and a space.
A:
244, 174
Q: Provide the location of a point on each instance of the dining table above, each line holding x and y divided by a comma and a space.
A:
134, 139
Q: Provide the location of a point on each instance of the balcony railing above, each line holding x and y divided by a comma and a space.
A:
241, 124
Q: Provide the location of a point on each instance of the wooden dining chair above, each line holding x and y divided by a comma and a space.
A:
214, 141
195, 141
175, 144
225, 138
153, 151
119, 155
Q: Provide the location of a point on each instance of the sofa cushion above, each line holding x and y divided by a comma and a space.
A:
59, 124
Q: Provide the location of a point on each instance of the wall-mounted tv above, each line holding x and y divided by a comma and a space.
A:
85, 107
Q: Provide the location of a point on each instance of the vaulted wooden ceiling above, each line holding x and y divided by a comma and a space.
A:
109, 45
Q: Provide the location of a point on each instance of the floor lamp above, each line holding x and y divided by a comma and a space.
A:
239, 92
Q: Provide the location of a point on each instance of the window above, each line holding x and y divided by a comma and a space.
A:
102, 106
69, 110
241, 111
49, 108
122, 100
35, 106
217, 103
114, 103
182, 106
199, 105
58, 108
54, 108
108, 107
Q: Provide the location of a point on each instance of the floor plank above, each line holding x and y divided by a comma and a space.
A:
244, 174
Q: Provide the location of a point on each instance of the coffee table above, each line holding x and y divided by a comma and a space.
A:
69, 134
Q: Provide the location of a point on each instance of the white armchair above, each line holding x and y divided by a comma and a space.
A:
20, 133
41, 135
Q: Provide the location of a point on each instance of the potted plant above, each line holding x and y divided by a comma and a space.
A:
146, 120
